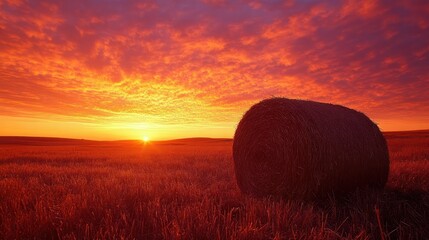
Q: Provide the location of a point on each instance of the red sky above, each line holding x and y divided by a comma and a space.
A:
167, 69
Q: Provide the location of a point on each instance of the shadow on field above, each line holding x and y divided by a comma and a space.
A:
387, 214
394, 213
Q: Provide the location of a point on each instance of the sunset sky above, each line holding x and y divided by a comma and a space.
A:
170, 69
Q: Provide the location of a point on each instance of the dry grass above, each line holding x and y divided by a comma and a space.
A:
187, 190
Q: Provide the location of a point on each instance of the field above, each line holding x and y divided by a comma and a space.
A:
185, 189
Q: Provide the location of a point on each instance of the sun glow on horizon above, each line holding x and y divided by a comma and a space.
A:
146, 139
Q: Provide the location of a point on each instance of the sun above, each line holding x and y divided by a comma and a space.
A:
145, 139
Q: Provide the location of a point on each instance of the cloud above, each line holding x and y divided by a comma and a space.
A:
195, 62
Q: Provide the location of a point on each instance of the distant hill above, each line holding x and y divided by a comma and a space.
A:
200, 140
43, 141
50, 141
407, 134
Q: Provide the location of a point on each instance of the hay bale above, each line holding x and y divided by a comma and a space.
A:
303, 150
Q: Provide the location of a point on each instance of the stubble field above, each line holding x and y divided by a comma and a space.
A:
185, 189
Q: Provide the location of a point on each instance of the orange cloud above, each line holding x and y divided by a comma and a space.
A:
200, 65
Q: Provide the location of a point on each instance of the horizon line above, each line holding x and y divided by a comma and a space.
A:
159, 140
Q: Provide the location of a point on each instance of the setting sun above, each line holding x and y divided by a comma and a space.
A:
145, 139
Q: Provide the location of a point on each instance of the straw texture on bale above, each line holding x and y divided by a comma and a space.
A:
303, 150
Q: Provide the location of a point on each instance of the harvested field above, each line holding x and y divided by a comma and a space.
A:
187, 190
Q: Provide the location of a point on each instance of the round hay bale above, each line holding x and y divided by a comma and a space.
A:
304, 150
